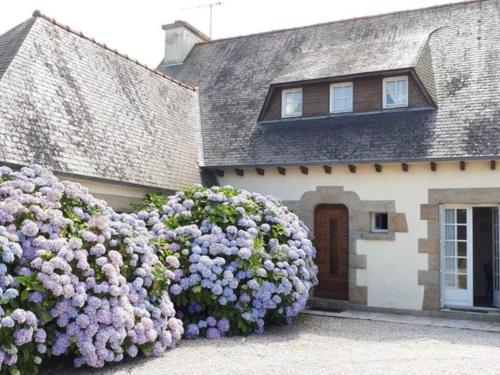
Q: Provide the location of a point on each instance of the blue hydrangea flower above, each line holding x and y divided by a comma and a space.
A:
237, 251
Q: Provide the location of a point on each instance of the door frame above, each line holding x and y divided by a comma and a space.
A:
470, 255
470, 234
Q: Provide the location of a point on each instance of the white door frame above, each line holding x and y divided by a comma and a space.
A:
453, 296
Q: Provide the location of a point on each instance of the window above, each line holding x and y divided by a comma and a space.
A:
380, 222
396, 92
341, 97
291, 103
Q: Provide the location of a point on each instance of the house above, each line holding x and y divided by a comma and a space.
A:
380, 132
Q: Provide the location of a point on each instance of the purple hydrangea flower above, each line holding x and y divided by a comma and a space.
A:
245, 251
192, 331
223, 325
106, 286
213, 333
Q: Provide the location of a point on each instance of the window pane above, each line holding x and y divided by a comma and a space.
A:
347, 104
449, 216
449, 264
396, 92
348, 91
461, 232
449, 247
294, 97
462, 264
449, 232
403, 92
381, 221
341, 99
462, 249
293, 103
462, 281
462, 216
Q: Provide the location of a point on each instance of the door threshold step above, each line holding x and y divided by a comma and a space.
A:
464, 309
409, 319
328, 309
325, 305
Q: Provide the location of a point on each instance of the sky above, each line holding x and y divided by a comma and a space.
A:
133, 27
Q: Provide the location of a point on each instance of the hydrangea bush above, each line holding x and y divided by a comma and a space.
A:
242, 260
76, 278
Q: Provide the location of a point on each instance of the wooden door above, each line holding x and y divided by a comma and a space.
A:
331, 232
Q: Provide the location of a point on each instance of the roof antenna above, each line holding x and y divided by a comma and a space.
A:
208, 5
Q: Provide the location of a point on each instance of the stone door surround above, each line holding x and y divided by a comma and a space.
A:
359, 225
430, 278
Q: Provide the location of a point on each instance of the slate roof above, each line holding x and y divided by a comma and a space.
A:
355, 57
460, 68
78, 107
10, 43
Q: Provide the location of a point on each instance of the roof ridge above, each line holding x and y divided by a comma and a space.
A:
39, 14
345, 20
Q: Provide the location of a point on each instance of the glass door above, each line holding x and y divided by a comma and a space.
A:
456, 256
496, 259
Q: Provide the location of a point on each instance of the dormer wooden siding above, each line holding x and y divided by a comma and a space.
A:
367, 97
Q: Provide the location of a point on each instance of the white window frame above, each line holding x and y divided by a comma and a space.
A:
394, 79
283, 102
373, 222
338, 85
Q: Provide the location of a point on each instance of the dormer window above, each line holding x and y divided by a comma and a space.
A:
291, 103
396, 92
341, 97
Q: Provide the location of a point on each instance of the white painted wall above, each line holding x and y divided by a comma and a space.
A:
118, 196
392, 266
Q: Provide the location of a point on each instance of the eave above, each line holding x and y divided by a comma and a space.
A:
352, 162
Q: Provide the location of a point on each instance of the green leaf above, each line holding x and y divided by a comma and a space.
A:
24, 295
147, 349
44, 315
196, 289
24, 280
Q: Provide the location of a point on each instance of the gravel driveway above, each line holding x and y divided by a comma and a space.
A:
325, 345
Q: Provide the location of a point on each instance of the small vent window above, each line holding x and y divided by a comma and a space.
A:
380, 222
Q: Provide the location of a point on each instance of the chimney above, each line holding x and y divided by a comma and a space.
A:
180, 38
